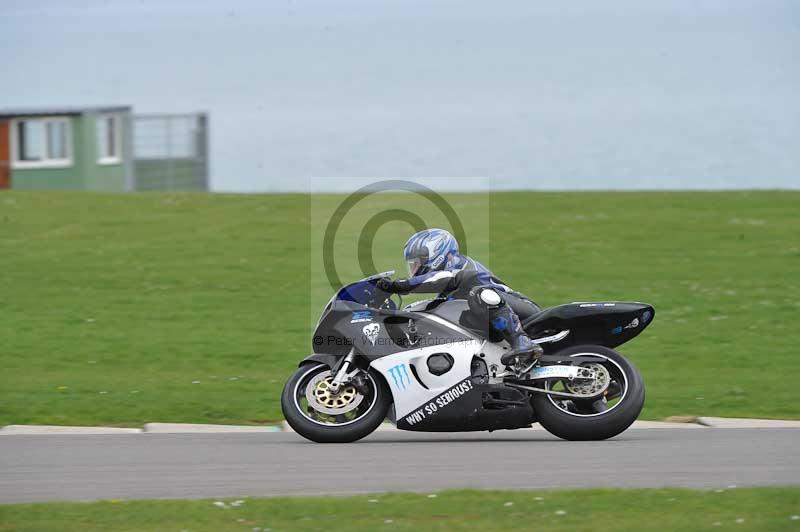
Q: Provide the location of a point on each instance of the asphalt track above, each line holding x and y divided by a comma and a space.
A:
144, 466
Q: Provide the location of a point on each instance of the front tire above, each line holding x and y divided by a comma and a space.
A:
573, 420
325, 418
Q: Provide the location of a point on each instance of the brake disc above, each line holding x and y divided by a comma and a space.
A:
590, 387
322, 399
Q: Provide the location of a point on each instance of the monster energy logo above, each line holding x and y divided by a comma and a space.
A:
400, 376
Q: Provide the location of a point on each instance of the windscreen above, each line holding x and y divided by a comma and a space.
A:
364, 292
361, 292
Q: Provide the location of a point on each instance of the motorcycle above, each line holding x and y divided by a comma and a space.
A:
433, 366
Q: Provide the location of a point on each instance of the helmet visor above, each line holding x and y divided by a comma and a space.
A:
413, 266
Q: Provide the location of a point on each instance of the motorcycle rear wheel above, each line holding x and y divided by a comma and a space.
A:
587, 420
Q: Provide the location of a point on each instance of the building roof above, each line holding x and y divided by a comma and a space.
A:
61, 111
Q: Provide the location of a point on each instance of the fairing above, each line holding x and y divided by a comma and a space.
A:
376, 333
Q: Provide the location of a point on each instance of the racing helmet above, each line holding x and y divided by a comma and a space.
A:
429, 250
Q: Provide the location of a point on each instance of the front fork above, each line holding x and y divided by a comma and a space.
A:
342, 376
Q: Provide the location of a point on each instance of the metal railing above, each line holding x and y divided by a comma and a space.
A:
170, 151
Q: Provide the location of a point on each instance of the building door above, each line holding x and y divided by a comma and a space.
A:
5, 156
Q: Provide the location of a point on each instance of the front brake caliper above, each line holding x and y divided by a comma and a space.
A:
359, 382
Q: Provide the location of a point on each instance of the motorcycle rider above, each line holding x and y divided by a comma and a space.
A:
436, 266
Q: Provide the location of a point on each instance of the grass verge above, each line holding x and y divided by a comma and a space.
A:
610, 510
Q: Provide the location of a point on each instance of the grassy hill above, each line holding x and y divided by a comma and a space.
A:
122, 309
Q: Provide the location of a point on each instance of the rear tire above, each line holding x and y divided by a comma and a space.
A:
596, 426
330, 429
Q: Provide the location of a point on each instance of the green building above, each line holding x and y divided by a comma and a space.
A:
102, 148
67, 148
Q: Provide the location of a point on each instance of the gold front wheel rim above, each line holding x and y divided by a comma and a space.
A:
323, 400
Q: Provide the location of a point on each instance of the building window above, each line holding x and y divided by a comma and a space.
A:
41, 143
109, 136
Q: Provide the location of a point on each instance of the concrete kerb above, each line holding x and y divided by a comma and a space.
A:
59, 430
179, 428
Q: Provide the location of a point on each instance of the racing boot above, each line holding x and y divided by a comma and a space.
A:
523, 349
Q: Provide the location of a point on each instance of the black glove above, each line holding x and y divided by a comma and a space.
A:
387, 285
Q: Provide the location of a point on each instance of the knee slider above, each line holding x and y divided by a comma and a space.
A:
484, 301
490, 297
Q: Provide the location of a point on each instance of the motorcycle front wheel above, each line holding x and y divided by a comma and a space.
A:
597, 417
324, 417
